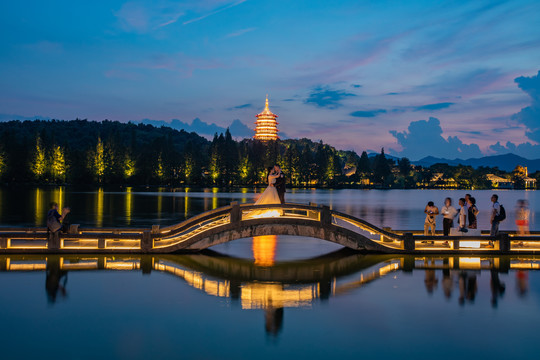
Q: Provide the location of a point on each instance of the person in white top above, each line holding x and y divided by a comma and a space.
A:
449, 213
463, 215
496, 208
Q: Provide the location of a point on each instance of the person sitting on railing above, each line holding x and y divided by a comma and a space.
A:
54, 219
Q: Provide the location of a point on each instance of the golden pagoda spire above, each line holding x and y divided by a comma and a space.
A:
266, 124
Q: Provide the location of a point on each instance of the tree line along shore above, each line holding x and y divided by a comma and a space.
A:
111, 152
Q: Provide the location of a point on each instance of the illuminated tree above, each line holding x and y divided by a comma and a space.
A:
215, 165
58, 164
159, 169
39, 161
129, 166
3, 162
518, 176
99, 160
244, 169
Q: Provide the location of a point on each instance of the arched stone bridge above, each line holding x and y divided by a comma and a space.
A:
247, 220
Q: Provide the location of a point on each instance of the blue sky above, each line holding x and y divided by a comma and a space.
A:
454, 79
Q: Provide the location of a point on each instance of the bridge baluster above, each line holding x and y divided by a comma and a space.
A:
326, 216
146, 241
408, 242
236, 214
504, 243
53, 241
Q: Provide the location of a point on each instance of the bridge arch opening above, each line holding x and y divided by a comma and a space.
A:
266, 250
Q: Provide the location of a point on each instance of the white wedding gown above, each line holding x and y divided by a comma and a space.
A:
268, 197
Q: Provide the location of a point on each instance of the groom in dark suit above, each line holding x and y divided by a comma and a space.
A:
280, 183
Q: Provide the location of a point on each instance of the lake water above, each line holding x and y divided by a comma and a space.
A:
267, 297
130, 207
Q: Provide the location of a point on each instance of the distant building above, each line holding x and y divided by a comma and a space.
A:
500, 182
439, 180
266, 125
528, 182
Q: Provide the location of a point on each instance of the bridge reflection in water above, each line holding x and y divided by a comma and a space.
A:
273, 286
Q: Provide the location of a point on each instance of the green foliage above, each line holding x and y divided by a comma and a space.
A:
381, 171
58, 164
3, 162
39, 164
108, 152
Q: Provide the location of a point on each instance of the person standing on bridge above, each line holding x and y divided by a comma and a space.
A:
463, 212
280, 183
431, 212
449, 213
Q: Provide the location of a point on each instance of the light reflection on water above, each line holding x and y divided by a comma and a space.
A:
398, 209
338, 297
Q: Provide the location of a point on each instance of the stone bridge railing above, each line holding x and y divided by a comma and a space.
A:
246, 220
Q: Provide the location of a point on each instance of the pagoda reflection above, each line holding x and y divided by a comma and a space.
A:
275, 286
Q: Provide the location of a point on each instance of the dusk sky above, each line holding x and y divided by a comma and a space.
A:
449, 79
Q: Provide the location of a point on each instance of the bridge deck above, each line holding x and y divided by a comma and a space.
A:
241, 221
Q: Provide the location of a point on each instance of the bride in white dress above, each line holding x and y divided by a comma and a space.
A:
269, 196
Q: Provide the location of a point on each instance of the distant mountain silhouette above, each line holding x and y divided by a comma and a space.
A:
506, 162
237, 128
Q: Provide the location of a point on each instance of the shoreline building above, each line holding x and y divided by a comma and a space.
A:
266, 125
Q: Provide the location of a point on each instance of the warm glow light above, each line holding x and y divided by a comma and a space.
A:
129, 197
266, 125
470, 262
264, 296
469, 244
265, 214
99, 207
264, 250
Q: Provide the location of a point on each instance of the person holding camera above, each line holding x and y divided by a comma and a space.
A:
431, 212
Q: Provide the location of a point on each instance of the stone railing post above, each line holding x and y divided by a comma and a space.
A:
146, 241
147, 263
408, 242
3, 243
504, 243
73, 229
53, 241
236, 214
326, 216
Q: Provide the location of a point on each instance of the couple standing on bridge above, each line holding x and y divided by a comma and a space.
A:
275, 192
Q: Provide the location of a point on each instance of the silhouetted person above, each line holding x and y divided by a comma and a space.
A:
273, 320
472, 213
53, 278
467, 287
430, 279
54, 219
280, 183
497, 287
522, 282
447, 280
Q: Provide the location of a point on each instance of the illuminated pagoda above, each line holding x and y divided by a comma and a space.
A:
266, 125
